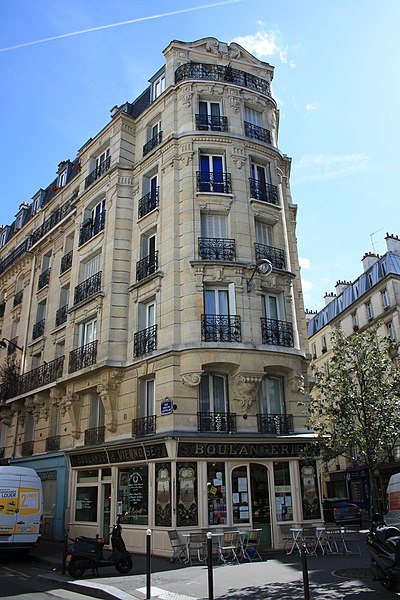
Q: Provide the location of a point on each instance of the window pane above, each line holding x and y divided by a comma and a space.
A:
163, 495
209, 301
186, 495
240, 496
88, 476
132, 501
219, 394
223, 305
216, 489
204, 394
283, 492
86, 504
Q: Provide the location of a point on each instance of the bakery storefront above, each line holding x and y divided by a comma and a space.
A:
189, 485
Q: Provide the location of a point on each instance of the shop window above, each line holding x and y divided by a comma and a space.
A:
240, 496
163, 514
186, 495
216, 491
283, 492
133, 494
86, 496
309, 490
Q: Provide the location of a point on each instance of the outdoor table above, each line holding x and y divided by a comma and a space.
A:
297, 534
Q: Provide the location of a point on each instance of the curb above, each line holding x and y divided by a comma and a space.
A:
90, 588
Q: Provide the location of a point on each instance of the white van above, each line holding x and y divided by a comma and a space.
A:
21, 507
392, 517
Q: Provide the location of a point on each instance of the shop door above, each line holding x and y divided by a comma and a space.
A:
106, 520
260, 504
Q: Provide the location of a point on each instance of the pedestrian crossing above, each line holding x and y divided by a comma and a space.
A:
159, 594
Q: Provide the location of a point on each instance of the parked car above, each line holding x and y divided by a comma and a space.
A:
341, 511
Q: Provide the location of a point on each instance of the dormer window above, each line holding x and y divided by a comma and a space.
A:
3, 235
158, 87
62, 179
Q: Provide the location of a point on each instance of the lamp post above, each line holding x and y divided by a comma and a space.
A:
4, 341
263, 267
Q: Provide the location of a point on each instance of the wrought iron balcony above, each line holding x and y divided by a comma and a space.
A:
219, 183
91, 227
51, 221
222, 73
275, 424
220, 328
61, 315
217, 249
152, 143
211, 123
147, 266
27, 448
82, 357
98, 172
144, 426
18, 298
2, 309
276, 256
38, 329
257, 133
216, 422
148, 203
44, 279
95, 436
87, 288
278, 333
9, 260
266, 192
12, 345
53, 443
37, 378
66, 262
145, 341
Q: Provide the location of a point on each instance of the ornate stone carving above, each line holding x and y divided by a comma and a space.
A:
191, 379
108, 391
41, 407
235, 103
72, 403
296, 383
245, 390
6, 414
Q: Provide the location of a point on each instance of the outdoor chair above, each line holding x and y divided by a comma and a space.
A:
178, 547
198, 547
251, 544
228, 547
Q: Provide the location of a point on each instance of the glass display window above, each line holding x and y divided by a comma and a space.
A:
132, 496
240, 495
216, 494
283, 492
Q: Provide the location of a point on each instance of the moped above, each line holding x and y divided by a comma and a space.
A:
87, 553
383, 544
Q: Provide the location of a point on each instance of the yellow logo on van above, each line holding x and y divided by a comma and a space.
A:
29, 501
8, 500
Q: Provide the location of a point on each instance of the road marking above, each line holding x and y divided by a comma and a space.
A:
14, 572
164, 594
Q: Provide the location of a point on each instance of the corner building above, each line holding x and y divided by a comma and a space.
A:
159, 365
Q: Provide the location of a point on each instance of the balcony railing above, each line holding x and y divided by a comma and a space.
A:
257, 133
275, 424
18, 298
219, 183
98, 172
276, 256
38, 329
37, 378
14, 255
147, 266
53, 443
95, 436
211, 123
144, 426
152, 143
278, 333
66, 262
221, 328
217, 249
216, 422
27, 448
87, 288
2, 309
222, 73
266, 192
44, 279
91, 227
145, 341
82, 357
148, 203
61, 315
51, 221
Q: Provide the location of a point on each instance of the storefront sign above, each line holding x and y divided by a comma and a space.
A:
218, 450
119, 455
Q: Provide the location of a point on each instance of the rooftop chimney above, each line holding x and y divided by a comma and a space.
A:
329, 296
392, 243
368, 260
310, 314
341, 286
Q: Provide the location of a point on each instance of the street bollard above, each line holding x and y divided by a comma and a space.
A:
65, 552
148, 564
303, 552
210, 567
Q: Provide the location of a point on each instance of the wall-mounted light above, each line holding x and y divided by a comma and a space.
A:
5, 341
263, 267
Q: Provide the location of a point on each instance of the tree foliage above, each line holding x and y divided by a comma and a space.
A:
9, 372
355, 408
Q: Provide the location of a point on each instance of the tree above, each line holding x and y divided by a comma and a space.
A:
9, 374
355, 406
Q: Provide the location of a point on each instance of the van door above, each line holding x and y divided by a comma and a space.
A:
27, 523
8, 508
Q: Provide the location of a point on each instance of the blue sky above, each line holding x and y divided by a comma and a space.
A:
336, 83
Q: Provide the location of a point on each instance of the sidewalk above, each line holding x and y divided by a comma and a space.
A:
277, 578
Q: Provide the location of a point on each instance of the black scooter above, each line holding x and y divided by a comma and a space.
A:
87, 553
383, 544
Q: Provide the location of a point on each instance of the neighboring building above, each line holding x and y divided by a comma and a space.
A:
158, 363
355, 306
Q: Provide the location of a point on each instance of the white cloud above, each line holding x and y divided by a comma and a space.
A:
304, 262
317, 167
264, 44
311, 106
306, 285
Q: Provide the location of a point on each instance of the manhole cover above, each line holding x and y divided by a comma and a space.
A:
354, 573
